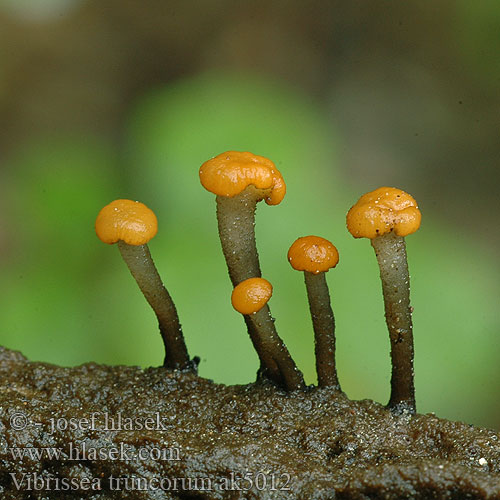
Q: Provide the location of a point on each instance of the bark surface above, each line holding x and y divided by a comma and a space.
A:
222, 442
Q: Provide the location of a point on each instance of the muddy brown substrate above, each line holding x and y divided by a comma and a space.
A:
314, 445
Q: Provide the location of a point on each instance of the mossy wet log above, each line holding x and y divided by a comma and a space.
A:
204, 439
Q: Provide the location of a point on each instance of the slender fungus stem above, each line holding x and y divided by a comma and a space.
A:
324, 328
132, 224
240, 180
385, 216
236, 222
250, 298
263, 324
390, 250
315, 256
141, 265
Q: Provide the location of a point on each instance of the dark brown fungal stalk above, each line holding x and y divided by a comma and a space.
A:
249, 298
240, 180
315, 256
132, 224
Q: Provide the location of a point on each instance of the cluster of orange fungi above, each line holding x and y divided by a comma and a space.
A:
240, 180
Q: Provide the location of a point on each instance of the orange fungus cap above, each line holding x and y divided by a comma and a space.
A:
313, 254
126, 220
228, 174
382, 211
251, 295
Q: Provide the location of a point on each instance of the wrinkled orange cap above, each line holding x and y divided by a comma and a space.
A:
313, 254
126, 220
228, 174
382, 211
251, 295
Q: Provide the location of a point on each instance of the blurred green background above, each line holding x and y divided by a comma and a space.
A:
126, 99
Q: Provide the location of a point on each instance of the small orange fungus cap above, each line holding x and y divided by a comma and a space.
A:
126, 220
228, 174
382, 211
313, 254
251, 295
